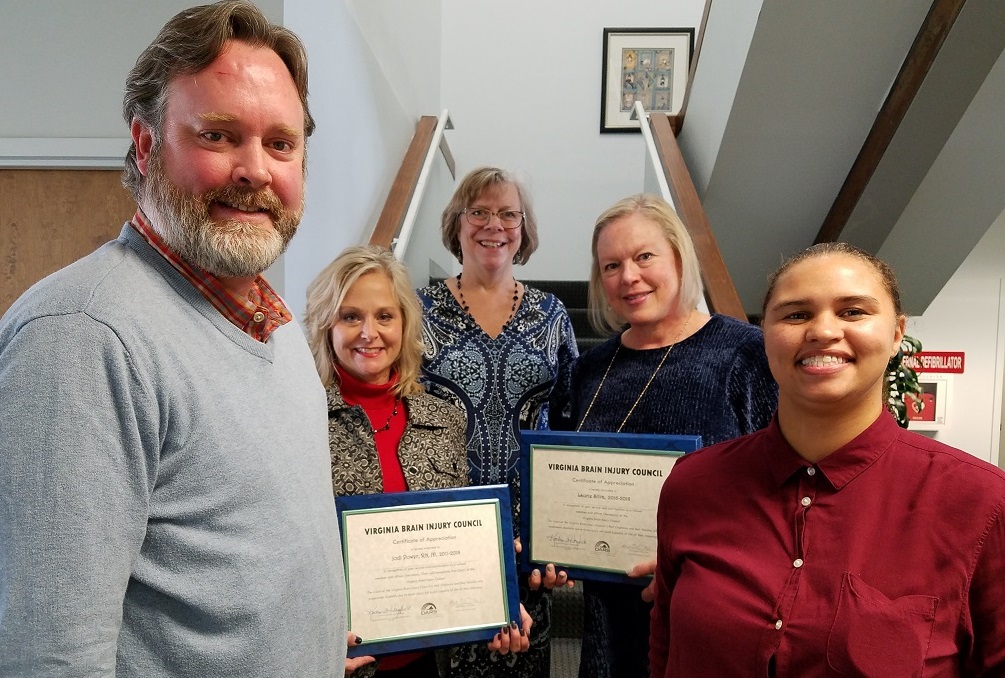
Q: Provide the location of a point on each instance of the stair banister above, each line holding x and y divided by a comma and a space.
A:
719, 290
652, 155
401, 242
396, 221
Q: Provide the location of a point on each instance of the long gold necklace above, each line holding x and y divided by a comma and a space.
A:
644, 388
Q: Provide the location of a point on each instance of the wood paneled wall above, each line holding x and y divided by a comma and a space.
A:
50, 218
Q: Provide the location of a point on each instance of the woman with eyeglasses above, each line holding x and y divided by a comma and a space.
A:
505, 351
386, 433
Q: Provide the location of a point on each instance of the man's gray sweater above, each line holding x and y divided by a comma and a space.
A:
165, 490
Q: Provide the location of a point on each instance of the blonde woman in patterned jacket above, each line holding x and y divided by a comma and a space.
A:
387, 434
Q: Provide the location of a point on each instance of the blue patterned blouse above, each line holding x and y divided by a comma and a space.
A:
516, 380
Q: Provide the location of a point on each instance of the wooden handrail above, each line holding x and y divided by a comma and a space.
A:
719, 290
403, 187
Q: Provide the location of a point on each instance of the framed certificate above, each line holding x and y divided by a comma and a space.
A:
589, 499
428, 569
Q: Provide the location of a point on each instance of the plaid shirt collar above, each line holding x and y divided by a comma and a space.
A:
258, 315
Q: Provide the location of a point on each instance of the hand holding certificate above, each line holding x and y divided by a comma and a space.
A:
589, 500
427, 569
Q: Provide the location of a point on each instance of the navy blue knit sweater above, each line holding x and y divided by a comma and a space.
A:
715, 384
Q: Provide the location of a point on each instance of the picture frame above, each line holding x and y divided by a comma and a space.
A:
428, 569
588, 499
928, 413
643, 64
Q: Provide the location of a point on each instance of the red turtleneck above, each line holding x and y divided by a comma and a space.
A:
378, 401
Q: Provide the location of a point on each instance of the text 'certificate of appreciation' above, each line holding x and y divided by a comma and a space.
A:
592, 510
426, 571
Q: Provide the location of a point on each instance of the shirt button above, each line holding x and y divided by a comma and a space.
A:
778, 625
258, 317
798, 562
811, 471
805, 501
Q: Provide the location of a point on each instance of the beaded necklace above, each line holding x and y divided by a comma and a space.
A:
512, 312
387, 424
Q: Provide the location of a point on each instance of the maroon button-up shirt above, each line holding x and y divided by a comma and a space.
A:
885, 559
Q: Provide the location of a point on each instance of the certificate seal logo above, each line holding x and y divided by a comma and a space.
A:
602, 546
428, 608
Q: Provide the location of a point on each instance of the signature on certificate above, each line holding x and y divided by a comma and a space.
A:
462, 603
564, 540
389, 611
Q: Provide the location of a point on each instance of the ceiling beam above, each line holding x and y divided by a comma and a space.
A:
929, 41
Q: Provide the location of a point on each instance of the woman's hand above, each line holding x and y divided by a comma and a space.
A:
646, 569
513, 638
352, 640
552, 577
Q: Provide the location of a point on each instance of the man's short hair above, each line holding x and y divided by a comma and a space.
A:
188, 43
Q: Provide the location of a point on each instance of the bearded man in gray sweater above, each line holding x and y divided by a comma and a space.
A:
165, 490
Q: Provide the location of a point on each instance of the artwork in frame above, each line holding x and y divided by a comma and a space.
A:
643, 64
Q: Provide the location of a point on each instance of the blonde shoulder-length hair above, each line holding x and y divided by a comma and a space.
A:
602, 316
326, 293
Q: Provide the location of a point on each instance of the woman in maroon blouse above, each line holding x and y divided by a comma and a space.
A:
832, 543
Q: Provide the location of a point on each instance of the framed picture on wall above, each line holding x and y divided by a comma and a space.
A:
642, 64
928, 411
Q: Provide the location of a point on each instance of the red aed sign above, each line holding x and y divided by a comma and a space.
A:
945, 362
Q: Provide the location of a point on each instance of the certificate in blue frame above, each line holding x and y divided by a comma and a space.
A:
572, 487
492, 498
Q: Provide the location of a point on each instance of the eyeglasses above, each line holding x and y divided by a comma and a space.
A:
479, 216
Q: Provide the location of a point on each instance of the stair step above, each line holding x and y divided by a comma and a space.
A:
573, 293
586, 343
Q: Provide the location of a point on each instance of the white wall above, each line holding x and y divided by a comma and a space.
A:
64, 63
966, 316
364, 120
522, 82
729, 32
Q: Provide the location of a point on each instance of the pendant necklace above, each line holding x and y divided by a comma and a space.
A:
644, 388
512, 311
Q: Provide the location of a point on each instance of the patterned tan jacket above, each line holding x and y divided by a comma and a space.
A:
432, 450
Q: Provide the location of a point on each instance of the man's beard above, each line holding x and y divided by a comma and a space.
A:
227, 249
